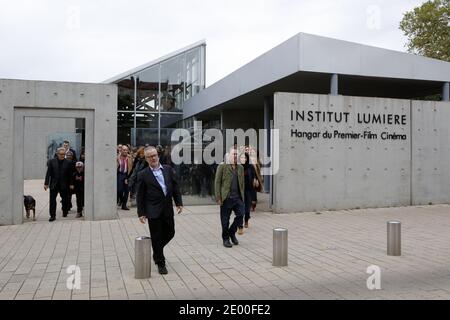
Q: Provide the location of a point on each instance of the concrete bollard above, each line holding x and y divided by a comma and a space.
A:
394, 247
142, 257
280, 247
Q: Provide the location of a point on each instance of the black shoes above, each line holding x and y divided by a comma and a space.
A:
125, 208
227, 243
52, 218
234, 239
162, 269
65, 214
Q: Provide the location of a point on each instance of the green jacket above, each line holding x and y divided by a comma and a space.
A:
222, 183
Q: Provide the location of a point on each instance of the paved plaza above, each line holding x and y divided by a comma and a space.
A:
329, 253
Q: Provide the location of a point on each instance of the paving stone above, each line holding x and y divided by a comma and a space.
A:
328, 257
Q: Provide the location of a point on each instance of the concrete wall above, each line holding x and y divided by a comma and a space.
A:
321, 174
35, 142
430, 152
94, 102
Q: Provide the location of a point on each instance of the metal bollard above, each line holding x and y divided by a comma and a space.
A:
142, 257
394, 247
280, 247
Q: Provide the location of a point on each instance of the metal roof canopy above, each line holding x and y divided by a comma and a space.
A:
304, 63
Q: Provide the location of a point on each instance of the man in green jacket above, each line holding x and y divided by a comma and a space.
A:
229, 192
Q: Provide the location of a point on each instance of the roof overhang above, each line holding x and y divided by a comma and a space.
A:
306, 54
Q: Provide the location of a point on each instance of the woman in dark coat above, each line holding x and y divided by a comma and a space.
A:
249, 192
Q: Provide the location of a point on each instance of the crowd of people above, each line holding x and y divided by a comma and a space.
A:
237, 181
130, 161
194, 179
148, 177
65, 176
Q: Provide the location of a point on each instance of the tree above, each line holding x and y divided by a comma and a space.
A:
428, 29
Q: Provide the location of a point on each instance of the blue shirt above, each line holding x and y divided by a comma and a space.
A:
158, 173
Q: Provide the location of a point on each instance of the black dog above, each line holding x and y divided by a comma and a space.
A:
30, 204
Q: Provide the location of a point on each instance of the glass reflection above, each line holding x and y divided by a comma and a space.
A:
148, 89
170, 120
147, 120
126, 94
192, 73
125, 122
197, 180
145, 136
172, 84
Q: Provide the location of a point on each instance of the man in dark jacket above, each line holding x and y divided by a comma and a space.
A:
229, 192
157, 185
66, 146
59, 179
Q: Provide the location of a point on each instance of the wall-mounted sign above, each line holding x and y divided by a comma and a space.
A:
330, 117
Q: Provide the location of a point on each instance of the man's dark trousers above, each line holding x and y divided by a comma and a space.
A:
122, 189
80, 200
236, 205
155, 204
64, 194
162, 230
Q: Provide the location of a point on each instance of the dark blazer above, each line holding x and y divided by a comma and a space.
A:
150, 198
52, 176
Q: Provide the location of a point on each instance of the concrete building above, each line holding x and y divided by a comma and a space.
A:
388, 144
327, 75
332, 71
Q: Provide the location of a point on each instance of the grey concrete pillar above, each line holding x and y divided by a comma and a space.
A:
142, 258
446, 91
394, 247
280, 247
267, 117
334, 85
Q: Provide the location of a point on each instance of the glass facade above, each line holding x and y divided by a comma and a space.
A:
150, 101
150, 107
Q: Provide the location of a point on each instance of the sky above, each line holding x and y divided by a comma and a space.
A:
93, 40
